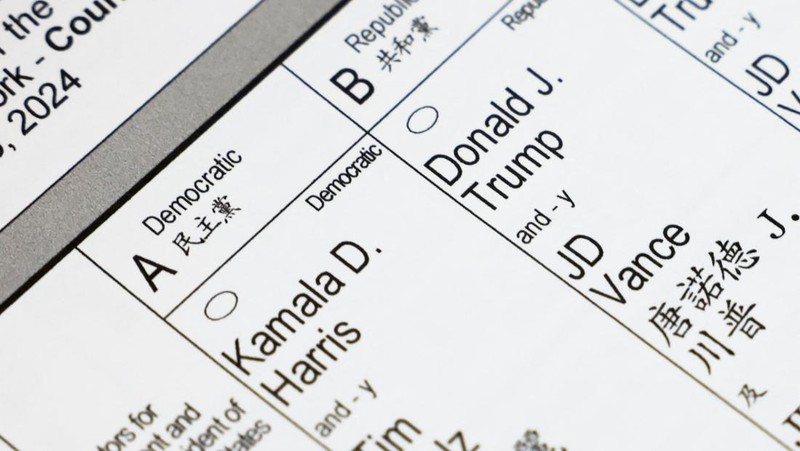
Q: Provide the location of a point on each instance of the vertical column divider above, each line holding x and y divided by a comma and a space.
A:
5, 441
203, 351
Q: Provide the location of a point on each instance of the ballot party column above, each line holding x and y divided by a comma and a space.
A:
620, 167
633, 175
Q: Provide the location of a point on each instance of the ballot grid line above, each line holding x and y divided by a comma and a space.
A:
706, 65
202, 351
335, 107
7, 443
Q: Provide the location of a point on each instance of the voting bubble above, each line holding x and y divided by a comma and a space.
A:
221, 305
422, 119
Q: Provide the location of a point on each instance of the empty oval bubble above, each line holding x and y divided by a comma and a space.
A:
422, 119
221, 305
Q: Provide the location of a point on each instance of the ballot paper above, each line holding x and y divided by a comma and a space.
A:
437, 225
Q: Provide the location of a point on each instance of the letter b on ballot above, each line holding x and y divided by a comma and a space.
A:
358, 89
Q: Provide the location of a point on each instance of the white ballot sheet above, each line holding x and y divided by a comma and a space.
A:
448, 225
